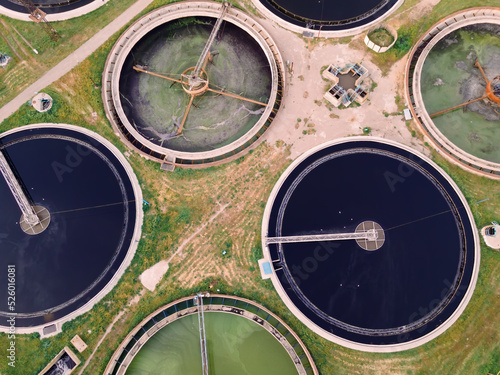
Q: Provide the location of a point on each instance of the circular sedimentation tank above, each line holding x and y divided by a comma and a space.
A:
181, 103
94, 204
453, 85
242, 337
418, 274
330, 16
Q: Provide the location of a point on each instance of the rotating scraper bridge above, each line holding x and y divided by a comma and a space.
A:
368, 235
168, 157
34, 219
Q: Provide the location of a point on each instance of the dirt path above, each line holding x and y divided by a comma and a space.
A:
222, 207
227, 248
132, 302
108, 330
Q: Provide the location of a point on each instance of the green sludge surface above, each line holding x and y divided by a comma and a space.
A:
156, 107
452, 61
236, 345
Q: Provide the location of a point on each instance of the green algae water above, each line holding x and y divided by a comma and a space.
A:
235, 345
449, 78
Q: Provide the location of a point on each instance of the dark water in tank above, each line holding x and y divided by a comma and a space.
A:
330, 14
92, 221
399, 284
48, 6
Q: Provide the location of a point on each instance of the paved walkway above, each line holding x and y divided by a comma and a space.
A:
74, 59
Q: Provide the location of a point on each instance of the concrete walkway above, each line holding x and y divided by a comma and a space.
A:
74, 59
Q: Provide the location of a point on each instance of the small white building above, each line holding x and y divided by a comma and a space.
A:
42, 102
491, 235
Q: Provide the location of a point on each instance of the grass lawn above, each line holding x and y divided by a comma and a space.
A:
27, 66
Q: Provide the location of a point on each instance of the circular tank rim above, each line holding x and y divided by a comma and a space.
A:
193, 310
325, 33
413, 71
158, 17
135, 237
337, 339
